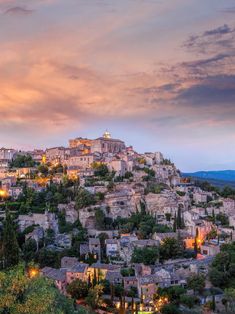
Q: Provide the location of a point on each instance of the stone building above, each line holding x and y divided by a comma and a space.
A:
81, 143
56, 154
106, 144
7, 154
81, 162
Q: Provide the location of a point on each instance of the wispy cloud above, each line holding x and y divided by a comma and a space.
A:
20, 11
79, 64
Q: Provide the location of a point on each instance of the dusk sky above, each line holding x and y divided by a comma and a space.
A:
158, 74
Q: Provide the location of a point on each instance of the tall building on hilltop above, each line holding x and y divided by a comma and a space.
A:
104, 144
107, 144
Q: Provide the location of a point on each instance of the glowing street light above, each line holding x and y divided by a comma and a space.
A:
33, 272
3, 193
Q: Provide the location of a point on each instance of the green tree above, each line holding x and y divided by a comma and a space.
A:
173, 293
170, 248
175, 223
101, 170
188, 300
103, 236
84, 199
77, 289
218, 278
43, 169
224, 220
230, 299
179, 218
20, 294
170, 309
196, 283
10, 247
23, 161
100, 219
222, 271
147, 255
196, 249
29, 249
93, 298
212, 234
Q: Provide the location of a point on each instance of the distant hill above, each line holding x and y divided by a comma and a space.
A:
216, 178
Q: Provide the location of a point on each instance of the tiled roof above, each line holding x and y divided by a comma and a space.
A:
79, 268
111, 241
55, 274
105, 266
94, 241
84, 249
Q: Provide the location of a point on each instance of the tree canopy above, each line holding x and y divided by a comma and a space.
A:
20, 294
23, 161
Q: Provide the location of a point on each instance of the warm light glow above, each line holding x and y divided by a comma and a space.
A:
42, 181
3, 193
118, 305
160, 303
33, 272
44, 159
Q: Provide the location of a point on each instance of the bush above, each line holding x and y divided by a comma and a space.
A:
77, 289
188, 300
170, 309
84, 199
147, 255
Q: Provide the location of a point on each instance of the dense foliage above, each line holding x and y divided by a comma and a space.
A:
140, 222
9, 248
222, 272
77, 289
147, 255
20, 294
23, 161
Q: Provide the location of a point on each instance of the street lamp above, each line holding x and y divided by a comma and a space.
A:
33, 272
3, 194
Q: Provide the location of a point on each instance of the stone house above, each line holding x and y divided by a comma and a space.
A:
95, 247
102, 270
130, 282
46, 221
58, 276
111, 247
210, 249
77, 271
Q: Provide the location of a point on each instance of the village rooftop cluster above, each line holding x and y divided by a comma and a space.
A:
114, 215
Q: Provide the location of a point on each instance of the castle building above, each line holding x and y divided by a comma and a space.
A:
106, 144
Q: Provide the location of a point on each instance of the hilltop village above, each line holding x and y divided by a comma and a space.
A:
118, 229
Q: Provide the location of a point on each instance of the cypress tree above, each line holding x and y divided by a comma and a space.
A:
132, 305
213, 215
213, 306
95, 278
175, 223
9, 243
179, 218
195, 242
180, 244
89, 281
112, 291
136, 308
